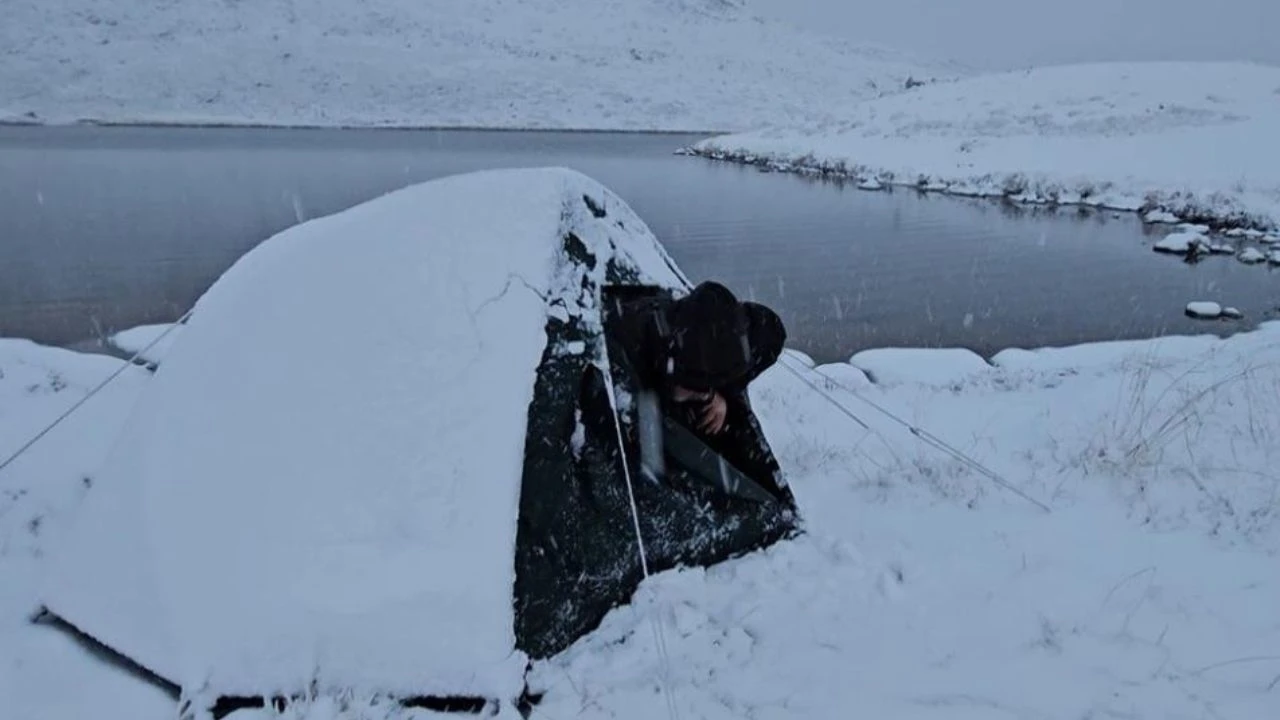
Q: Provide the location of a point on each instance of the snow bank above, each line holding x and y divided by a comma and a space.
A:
150, 340
285, 511
931, 366
607, 64
1186, 140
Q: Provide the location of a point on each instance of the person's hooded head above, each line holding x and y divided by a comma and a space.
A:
716, 339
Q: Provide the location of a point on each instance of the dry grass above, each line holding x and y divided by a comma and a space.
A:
1210, 426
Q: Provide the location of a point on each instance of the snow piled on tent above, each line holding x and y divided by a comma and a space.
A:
320, 487
1194, 140
601, 64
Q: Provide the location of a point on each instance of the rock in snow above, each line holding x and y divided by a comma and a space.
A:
1204, 310
1233, 313
870, 184
1183, 243
1161, 217
1251, 256
1274, 257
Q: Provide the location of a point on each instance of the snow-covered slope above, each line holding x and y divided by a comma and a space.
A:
291, 505
616, 64
1199, 140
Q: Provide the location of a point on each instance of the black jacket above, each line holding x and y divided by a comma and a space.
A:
707, 340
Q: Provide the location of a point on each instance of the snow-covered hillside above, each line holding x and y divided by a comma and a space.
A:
1196, 139
612, 64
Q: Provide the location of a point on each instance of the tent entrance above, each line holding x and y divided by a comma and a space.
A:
576, 554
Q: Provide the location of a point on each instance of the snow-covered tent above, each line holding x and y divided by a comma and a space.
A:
382, 457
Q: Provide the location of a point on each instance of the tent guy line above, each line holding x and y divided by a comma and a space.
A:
96, 389
923, 435
659, 637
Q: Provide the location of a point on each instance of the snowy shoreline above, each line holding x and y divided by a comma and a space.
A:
880, 180
1193, 140
220, 124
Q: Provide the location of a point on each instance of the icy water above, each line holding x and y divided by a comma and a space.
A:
103, 229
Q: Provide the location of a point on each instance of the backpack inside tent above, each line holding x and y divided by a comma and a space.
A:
385, 457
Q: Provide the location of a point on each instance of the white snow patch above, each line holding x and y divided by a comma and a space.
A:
1233, 313
1204, 309
284, 510
1161, 217
1251, 256
871, 184
613, 64
1182, 242
1274, 257
139, 339
930, 366
1194, 139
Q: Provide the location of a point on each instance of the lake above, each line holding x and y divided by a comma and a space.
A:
105, 228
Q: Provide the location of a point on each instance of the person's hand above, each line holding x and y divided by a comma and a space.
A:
714, 414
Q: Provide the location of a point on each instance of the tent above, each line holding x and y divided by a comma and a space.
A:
383, 457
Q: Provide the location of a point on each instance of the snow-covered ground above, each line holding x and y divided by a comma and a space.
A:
149, 342
44, 674
1196, 140
612, 64
922, 588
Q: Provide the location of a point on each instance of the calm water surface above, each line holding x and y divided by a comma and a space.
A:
103, 229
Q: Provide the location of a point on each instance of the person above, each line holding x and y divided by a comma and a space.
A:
698, 354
